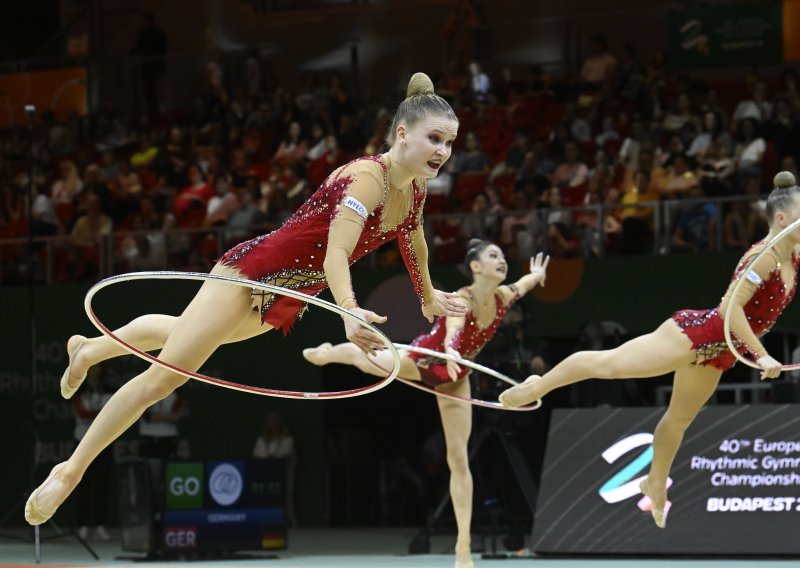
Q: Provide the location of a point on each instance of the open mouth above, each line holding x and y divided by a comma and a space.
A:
434, 165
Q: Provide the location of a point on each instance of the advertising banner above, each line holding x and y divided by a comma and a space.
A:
734, 485
236, 504
726, 34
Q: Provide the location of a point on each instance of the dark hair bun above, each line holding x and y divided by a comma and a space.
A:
473, 243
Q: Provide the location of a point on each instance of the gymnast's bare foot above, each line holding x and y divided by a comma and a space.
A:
658, 499
49, 496
318, 355
522, 394
464, 556
75, 373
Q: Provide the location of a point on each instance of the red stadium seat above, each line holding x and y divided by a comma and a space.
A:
467, 186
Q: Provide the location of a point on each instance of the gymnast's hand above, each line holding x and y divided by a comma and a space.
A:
453, 368
365, 339
444, 304
770, 368
539, 267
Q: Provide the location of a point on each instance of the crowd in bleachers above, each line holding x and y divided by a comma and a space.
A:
249, 150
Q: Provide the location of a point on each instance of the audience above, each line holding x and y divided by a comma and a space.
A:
250, 150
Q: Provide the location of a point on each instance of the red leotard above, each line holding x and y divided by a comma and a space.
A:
468, 342
292, 256
705, 327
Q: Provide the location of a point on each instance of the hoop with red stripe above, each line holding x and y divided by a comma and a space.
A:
174, 275
466, 363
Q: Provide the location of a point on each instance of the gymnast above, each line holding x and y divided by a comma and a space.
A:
691, 343
358, 208
463, 337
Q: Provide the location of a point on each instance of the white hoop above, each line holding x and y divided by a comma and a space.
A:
466, 363
170, 275
726, 321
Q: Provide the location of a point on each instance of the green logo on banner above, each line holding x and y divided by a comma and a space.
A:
185, 485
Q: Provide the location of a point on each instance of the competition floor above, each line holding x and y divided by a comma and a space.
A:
336, 548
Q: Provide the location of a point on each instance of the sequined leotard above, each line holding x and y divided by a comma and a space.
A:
293, 255
468, 342
705, 327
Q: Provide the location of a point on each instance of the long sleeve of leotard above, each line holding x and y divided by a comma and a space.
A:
363, 196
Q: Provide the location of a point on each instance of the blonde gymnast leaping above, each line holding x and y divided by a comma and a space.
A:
359, 207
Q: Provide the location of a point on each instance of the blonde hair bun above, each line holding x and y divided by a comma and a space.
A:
419, 84
784, 179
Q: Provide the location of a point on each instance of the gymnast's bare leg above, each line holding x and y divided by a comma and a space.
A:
194, 336
456, 422
657, 353
692, 386
148, 333
350, 354
457, 425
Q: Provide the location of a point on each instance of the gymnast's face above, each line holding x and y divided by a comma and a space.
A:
491, 262
427, 145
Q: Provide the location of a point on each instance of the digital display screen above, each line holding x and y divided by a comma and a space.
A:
239, 504
734, 487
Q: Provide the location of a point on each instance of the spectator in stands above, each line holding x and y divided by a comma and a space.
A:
127, 186
536, 164
472, 159
695, 228
749, 150
222, 204
608, 132
738, 226
275, 439
599, 66
44, 220
174, 158
562, 242
681, 114
717, 170
479, 224
86, 235
479, 83
68, 184
292, 148
711, 130
629, 151
520, 218
571, 176
579, 128
239, 225
757, 107
515, 155
784, 129
158, 428
558, 138
680, 179
193, 197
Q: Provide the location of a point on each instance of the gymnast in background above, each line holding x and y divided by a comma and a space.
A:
691, 343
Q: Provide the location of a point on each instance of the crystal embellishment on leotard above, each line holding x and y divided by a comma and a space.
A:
283, 251
291, 279
468, 341
704, 327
